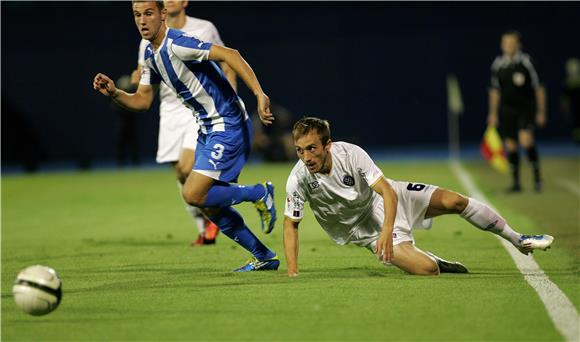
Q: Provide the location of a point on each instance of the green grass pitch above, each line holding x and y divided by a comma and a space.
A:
120, 242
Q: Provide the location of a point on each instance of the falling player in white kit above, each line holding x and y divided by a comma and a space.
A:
355, 203
177, 125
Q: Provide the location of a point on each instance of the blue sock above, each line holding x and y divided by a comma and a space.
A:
233, 226
224, 194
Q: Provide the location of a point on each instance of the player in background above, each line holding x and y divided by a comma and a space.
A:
517, 104
355, 203
177, 124
187, 65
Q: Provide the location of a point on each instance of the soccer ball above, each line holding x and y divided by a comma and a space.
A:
37, 290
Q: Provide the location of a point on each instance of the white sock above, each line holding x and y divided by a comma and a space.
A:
195, 212
485, 218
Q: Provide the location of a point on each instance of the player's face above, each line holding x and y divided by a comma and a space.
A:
148, 18
313, 153
509, 44
175, 7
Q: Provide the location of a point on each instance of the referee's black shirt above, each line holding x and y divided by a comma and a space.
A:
516, 79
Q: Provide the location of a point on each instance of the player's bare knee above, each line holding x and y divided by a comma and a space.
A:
454, 202
182, 172
461, 203
426, 269
193, 197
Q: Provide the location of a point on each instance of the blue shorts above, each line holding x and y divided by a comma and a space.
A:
222, 155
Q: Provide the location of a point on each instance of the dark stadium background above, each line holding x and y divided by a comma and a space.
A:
377, 70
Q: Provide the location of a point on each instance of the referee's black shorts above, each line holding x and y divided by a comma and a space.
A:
512, 120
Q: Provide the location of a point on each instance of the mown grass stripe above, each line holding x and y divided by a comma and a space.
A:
570, 186
559, 307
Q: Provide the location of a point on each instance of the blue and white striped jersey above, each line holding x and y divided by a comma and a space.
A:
181, 62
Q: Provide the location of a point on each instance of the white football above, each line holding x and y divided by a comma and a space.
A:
37, 290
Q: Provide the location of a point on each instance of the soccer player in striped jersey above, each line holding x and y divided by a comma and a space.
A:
355, 203
177, 125
188, 66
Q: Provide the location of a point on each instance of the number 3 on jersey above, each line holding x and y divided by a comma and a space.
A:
415, 187
218, 152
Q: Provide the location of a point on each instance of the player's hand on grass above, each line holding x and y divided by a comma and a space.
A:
104, 85
266, 116
385, 246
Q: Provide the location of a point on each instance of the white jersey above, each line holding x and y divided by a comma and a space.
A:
178, 127
340, 200
346, 206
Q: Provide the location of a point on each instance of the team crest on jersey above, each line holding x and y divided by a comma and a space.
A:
314, 185
348, 180
519, 79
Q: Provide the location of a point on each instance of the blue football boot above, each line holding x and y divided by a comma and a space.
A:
253, 264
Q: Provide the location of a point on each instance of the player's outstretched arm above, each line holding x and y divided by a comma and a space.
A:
139, 101
385, 244
291, 246
233, 58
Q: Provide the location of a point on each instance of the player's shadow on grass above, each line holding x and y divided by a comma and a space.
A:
132, 242
167, 283
393, 272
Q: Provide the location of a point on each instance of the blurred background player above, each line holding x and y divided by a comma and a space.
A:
517, 104
187, 65
570, 102
177, 124
354, 203
275, 142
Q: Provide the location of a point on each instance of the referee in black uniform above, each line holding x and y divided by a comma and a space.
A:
517, 104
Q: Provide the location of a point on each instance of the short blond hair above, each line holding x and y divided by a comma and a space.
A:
308, 124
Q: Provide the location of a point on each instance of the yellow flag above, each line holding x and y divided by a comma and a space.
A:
492, 150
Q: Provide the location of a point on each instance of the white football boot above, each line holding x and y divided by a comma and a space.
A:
528, 243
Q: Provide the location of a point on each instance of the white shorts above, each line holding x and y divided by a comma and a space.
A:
413, 201
177, 131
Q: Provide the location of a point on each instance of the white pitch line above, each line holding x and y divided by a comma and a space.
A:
559, 307
569, 185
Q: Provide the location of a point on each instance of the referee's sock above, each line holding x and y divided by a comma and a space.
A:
534, 159
514, 161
